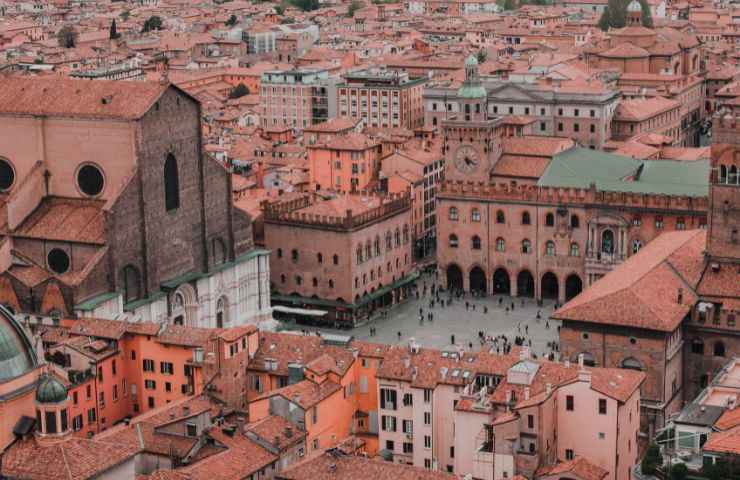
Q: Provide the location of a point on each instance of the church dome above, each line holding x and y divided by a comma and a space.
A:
50, 390
17, 356
634, 7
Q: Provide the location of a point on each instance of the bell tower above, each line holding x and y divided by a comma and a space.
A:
723, 239
471, 146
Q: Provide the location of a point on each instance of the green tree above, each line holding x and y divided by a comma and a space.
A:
67, 37
353, 7
306, 5
507, 4
647, 17
124, 15
679, 471
604, 21
652, 459
239, 91
231, 21
152, 23
287, 20
113, 30
481, 55
279, 9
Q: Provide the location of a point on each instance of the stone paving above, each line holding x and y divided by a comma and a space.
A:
456, 320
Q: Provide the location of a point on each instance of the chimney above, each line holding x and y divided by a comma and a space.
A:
508, 396
679, 299
567, 363
526, 393
548, 389
580, 361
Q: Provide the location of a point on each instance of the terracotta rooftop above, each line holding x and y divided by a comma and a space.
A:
305, 393
579, 466
643, 291
724, 442
65, 219
62, 97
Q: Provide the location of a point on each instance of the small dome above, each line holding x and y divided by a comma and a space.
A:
50, 390
471, 61
472, 91
17, 356
634, 7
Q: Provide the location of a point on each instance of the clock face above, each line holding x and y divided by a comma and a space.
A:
467, 159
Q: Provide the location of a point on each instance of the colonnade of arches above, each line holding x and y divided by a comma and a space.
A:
521, 284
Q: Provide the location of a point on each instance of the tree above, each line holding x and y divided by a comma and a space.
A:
647, 17
605, 21
124, 15
279, 9
652, 459
152, 23
481, 55
231, 21
67, 37
239, 91
306, 5
113, 31
353, 7
679, 471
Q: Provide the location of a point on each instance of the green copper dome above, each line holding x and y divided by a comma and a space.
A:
16, 353
471, 61
50, 390
472, 91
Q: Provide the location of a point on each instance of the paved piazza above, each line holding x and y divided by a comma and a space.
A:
455, 320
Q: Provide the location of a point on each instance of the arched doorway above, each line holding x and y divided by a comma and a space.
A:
573, 286
501, 282
478, 280
549, 286
454, 277
525, 284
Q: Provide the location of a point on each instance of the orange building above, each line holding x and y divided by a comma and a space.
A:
348, 163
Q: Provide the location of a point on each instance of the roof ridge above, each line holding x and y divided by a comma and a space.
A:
66, 464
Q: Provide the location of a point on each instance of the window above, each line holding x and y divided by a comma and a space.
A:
191, 429
453, 213
574, 251
427, 418
569, 403
166, 368
569, 454
475, 215
7, 175
500, 218
530, 421
636, 245
171, 184
319, 258
91, 416
148, 365
408, 400
408, 448
575, 222
607, 242
150, 402
90, 180
280, 253
427, 441
476, 242
500, 244
602, 406
58, 260
294, 255
390, 445
77, 423
427, 395
453, 241
658, 221
408, 426
388, 423
636, 221
550, 248
525, 218
526, 246
680, 224
131, 284
549, 220
697, 346
388, 398
335, 259
719, 349
150, 384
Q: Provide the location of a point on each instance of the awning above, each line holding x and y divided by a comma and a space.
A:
299, 311
388, 288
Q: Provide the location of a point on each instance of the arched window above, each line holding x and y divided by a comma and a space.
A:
697, 346
636, 245
549, 220
574, 250
359, 254
280, 253
732, 176
331, 283
294, 255
218, 249
388, 240
221, 312
319, 258
453, 241
475, 215
376, 245
282, 278
550, 248
453, 213
607, 242
526, 246
722, 174
335, 259
680, 224
632, 363
476, 242
398, 237
405, 234
500, 244
171, 184
526, 220
719, 349
368, 250
500, 217
131, 284
298, 280
575, 222
315, 282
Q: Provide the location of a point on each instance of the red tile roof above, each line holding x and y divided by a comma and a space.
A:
724, 442
579, 466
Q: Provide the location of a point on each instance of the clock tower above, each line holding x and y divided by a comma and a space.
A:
471, 146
